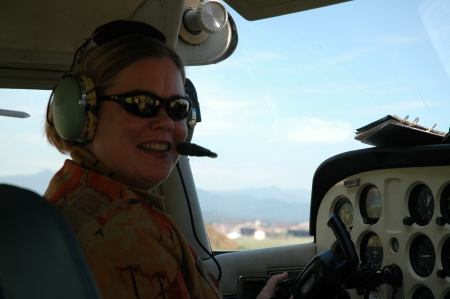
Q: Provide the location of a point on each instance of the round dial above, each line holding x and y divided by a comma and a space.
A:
395, 245
372, 250
423, 293
212, 16
422, 256
445, 204
372, 295
371, 204
445, 257
421, 204
344, 210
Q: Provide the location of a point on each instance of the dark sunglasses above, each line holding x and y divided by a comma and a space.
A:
148, 105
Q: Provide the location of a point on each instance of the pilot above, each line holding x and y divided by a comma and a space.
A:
119, 113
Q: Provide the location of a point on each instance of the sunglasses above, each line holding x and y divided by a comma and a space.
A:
148, 105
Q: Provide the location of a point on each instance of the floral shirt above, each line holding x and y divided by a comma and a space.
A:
133, 247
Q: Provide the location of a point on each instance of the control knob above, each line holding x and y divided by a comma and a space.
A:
211, 17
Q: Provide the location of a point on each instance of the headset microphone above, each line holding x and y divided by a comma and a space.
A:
191, 149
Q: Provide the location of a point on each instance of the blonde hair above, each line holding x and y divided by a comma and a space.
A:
102, 63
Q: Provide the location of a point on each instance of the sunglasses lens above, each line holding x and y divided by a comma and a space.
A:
141, 105
148, 106
179, 109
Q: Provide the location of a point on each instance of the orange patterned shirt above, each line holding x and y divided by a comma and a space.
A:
133, 247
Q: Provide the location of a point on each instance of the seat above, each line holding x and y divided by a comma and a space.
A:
39, 254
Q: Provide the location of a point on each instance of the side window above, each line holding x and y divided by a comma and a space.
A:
26, 158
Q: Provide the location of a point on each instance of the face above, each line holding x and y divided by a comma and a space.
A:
141, 151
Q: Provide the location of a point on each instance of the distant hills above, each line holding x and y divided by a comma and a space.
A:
271, 204
36, 182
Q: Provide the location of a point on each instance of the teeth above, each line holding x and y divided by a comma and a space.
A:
154, 146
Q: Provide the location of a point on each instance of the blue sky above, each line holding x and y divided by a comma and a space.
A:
292, 95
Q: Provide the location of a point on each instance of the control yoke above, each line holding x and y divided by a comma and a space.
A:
325, 275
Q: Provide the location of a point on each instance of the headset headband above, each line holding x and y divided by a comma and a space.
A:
74, 103
114, 29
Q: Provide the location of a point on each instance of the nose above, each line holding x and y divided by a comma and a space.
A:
162, 121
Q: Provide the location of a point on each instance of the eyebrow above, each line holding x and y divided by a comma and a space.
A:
146, 92
136, 91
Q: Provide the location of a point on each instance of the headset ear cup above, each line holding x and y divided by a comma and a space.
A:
90, 125
74, 105
190, 125
194, 116
68, 115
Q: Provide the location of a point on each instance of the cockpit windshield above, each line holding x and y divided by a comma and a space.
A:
292, 95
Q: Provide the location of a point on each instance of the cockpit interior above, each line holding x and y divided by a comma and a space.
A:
379, 213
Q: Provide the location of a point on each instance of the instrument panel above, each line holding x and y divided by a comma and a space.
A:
395, 217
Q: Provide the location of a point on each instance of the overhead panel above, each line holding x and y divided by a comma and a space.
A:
208, 33
39, 37
261, 9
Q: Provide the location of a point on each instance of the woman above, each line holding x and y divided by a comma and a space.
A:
136, 117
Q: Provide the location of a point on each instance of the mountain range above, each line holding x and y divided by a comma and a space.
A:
269, 204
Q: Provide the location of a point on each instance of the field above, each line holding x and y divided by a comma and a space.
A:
246, 243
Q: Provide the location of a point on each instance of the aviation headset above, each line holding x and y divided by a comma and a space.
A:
74, 100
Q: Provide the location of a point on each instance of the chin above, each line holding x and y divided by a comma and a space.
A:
151, 183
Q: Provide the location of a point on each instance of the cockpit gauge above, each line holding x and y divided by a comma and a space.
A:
422, 256
423, 293
445, 257
445, 204
372, 250
344, 295
344, 210
395, 245
372, 295
421, 204
371, 205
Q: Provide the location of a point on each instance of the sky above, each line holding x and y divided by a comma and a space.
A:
292, 95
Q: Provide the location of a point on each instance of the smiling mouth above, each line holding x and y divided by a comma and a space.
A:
156, 147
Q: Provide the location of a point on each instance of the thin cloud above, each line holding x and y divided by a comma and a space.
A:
405, 106
399, 40
304, 90
220, 176
245, 61
393, 39
228, 105
350, 56
315, 130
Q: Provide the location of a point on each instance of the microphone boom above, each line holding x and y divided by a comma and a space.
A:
191, 149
